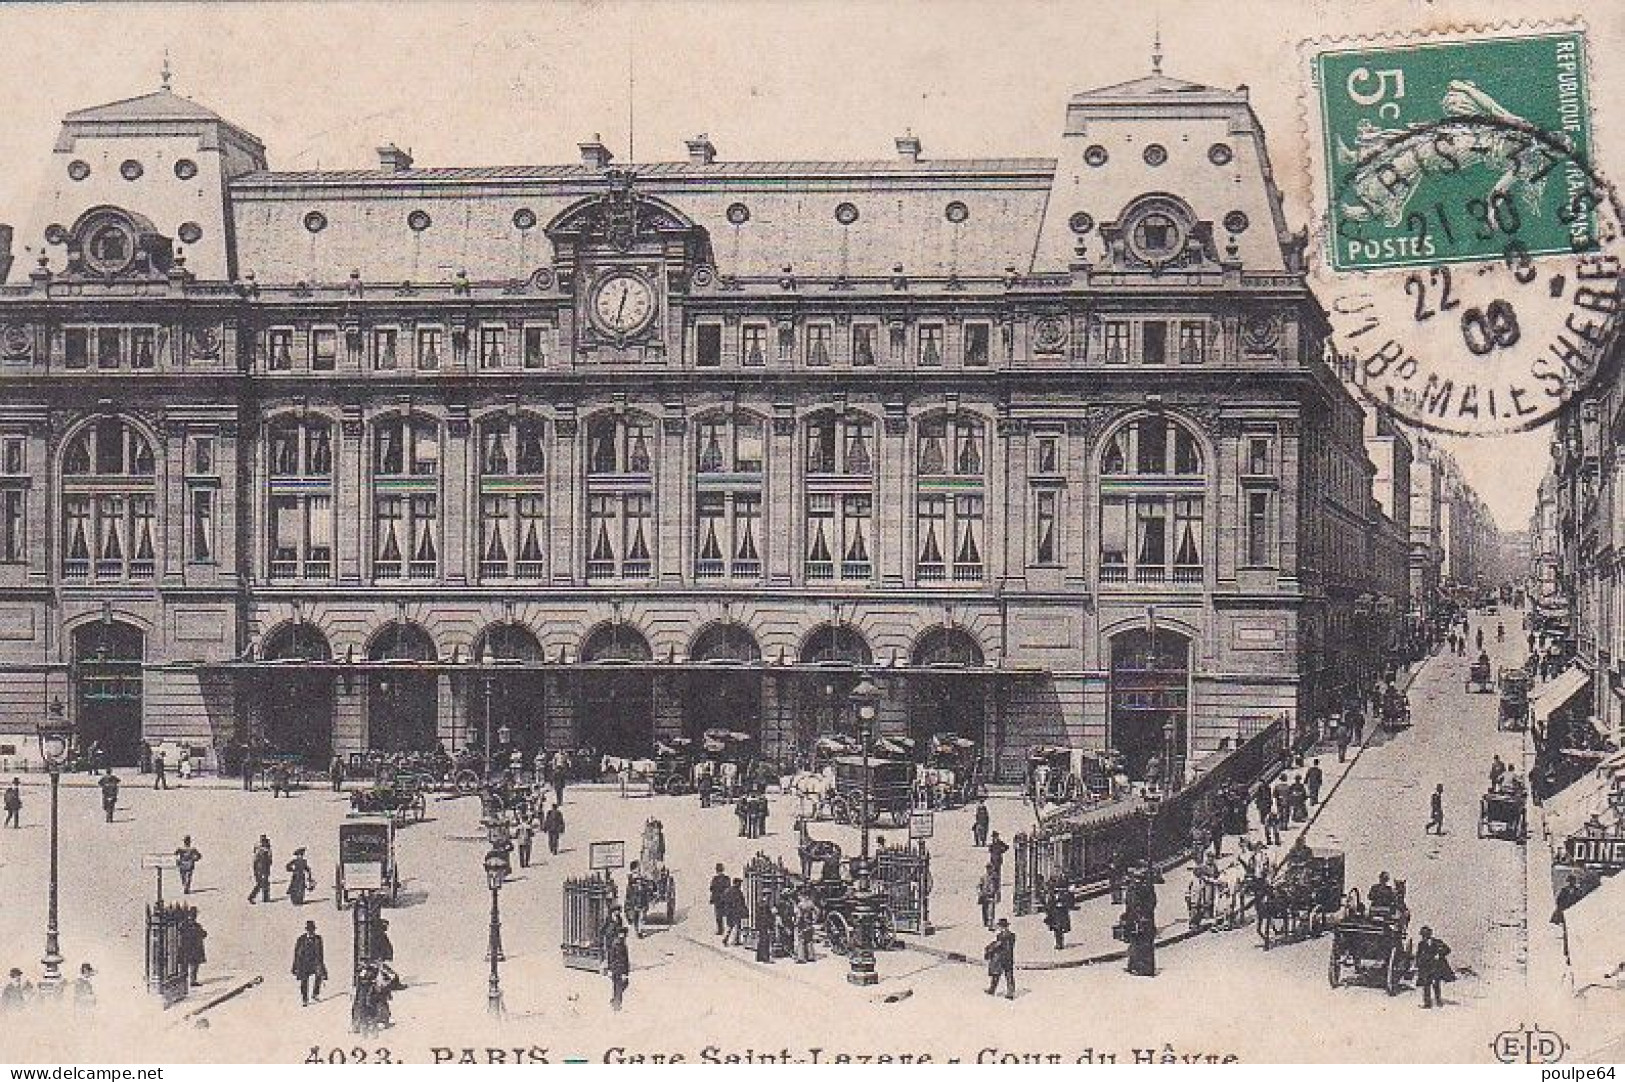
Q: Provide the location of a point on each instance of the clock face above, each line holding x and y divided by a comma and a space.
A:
623, 304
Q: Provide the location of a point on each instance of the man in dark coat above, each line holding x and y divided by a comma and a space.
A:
736, 910
262, 871
1432, 968
1435, 812
1263, 802
553, 827
719, 897
766, 929
1570, 893
996, 848
1313, 779
1058, 913
309, 964
1001, 960
618, 965
980, 825
109, 786
160, 771
335, 773
189, 952
186, 862
14, 804
1140, 923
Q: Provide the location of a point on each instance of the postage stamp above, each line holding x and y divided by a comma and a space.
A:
1470, 248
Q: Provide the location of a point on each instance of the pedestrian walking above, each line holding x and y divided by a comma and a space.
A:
190, 951
1300, 800
335, 774
1432, 966
1001, 960
109, 786
1345, 734
300, 877
719, 897
1262, 802
1058, 912
736, 911
987, 896
84, 988
766, 926
1313, 779
1436, 812
160, 771
1570, 893
309, 964
979, 825
553, 827
637, 897
261, 865
1356, 723
186, 862
558, 780
14, 804
524, 839
806, 925
618, 965
1140, 924
743, 816
382, 949
996, 848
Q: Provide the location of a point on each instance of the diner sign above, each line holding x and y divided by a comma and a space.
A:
1605, 852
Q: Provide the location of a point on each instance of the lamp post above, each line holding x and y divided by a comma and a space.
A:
865, 699
54, 736
496, 870
485, 672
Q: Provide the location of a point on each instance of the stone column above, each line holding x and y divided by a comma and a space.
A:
457, 491
350, 501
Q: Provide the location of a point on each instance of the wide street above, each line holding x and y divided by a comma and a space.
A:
1216, 994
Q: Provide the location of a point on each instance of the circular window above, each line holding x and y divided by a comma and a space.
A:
190, 232
130, 169
1081, 222
738, 213
55, 234
1236, 222
315, 221
1220, 154
1156, 238
418, 221
110, 247
186, 168
846, 213
541, 279
1095, 156
524, 218
1155, 154
78, 170
956, 212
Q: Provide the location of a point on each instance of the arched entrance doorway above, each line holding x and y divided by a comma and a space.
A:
403, 706
297, 701
726, 697
517, 697
1149, 702
948, 699
107, 689
617, 714
822, 700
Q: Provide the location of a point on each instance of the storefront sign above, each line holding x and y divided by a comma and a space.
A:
1599, 852
921, 824
606, 856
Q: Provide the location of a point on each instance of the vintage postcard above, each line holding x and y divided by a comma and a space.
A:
812, 532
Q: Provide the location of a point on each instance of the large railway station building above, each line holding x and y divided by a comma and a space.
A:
609, 452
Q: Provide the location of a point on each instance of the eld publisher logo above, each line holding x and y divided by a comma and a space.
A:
1528, 1045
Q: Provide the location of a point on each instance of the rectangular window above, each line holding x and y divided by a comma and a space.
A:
899, 342
201, 526
708, 345
109, 347
1115, 342
855, 514
202, 458
603, 536
638, 534
821, 542
1150, 540
932, 530
818, 335
711, 536
390, 541
385, 349
1048, 453
863, 345
279, 350
143, 347
496, 538
1258, 529
1048, 546
12, 519
1154, 342
535, 347
1260, 460
429, 349
930, 345
425, 554
753, 345
492, 347
1192, 342
324, 349
1187, 539
977, 336
787, 343
747, 556
1114, 539
319, 537
13, 455
968, 512
747, 446
76, 347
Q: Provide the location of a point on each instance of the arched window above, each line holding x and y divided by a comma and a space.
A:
1152, 483
620, 497
728, 505
299, 460
513, 498
840, 496
108, 503
951, 475
406, 497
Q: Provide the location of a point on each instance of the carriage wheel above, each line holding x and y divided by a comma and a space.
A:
467, 781
1482, 827
675, 786
1334, 969
1391, 973
838, 932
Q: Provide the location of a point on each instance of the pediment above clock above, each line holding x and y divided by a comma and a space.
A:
621, 219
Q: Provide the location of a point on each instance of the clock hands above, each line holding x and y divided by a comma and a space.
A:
622, 307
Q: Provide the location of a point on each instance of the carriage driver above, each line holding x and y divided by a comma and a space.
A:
1381, 895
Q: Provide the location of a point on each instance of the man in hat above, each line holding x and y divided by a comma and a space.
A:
737, 911
84, 989
382, 949
15, 995
1001, 960
186, 862
980, 825
996, 848
1432, 968
618, 966
553, 827
300, 878
262, 871
189, 950
309, 965
14, 804
1435, 812
109, 787
719, 898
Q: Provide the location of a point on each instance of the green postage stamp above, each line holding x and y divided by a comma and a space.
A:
1438, 152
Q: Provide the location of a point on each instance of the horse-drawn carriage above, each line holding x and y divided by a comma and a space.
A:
673, 766
400, 797
1479, 677
1372, 943
1304, 896
1050, 777
1515, 685
888, 783
826, 877
951, 776
366, 861
1502, 814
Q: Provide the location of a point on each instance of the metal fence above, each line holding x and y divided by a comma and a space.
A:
587, 900
905, 875
166, 976
766, 881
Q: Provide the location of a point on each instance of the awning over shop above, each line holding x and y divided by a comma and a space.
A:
1559, 693
1597, 935
1568, 811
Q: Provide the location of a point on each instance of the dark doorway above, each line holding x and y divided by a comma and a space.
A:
403, 705
821, 700
107, 688
727, 696
949, 699
517, 697
1150, 694
617, 714
296, 699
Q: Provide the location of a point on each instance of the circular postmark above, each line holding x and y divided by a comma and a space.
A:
1474, 273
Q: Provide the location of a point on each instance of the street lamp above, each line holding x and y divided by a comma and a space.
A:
865, 699
485, 669
496, 870
54, 736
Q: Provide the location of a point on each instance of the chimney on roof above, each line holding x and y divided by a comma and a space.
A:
908, 146
595, 153
701, 151
392, 159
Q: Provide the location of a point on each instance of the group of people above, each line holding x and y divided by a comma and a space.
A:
18, 991
751, 808
1288, 800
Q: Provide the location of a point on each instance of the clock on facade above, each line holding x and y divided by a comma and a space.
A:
622, 304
